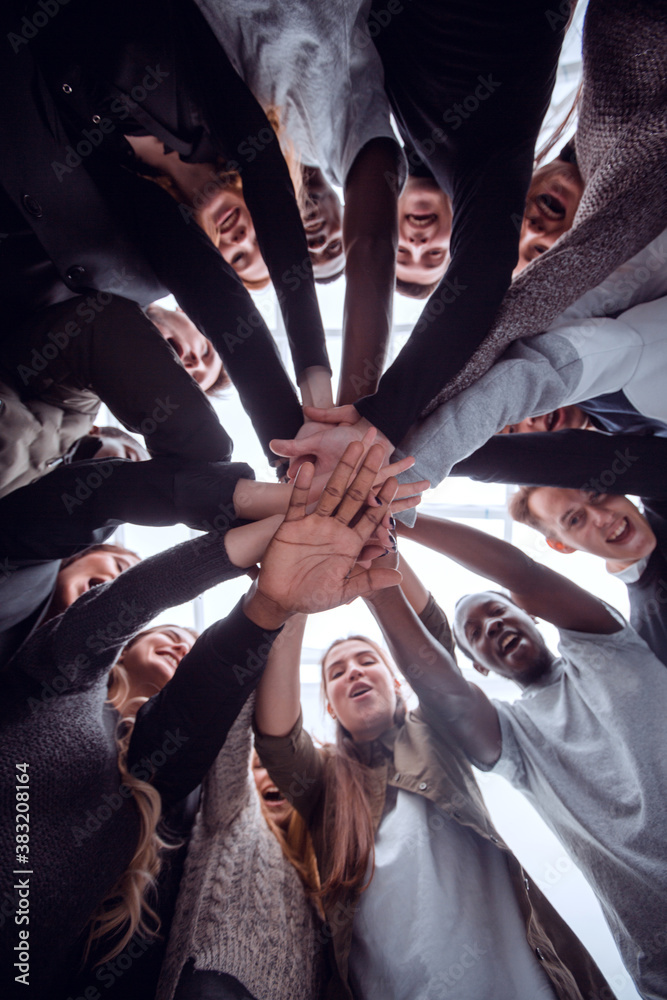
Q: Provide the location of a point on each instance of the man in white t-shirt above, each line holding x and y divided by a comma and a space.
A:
586, 741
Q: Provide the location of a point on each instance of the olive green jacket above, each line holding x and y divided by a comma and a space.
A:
418, 757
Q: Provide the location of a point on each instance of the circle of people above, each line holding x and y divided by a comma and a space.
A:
170, 830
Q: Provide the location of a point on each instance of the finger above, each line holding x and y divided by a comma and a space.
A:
334, 491
408, 503
369, 437
373, 515
299, 498
364, 582
357, 492
394, 469
322, 416
333, 414
288, 448
369, 553
412, 489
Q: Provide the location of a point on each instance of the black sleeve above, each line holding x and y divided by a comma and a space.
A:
488, 195
588, 460
244, 135
212, 295
198, 706
81, 504
82, 643
437, 57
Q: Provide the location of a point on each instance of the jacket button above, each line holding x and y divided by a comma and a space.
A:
76, 273
66, 88
32, 206
422, 786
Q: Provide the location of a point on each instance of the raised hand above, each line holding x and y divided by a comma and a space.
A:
311, 563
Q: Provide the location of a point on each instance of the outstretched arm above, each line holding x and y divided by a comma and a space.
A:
278, 700
579, 460
370, 235
535, 588
460, 709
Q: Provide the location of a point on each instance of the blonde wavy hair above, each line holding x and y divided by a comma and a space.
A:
126, 909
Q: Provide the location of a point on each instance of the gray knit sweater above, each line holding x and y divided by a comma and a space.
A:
54, 717
242, 908
621, 144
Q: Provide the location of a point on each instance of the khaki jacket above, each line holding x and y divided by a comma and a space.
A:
418, 757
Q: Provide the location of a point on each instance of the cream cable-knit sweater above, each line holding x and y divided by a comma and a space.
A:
242, 908
621, 144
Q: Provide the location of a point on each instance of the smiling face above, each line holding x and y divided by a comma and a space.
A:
153, 658
563, 418
604, 525
87, 572
359, 688
425, 224
197, 354
552, 201
273, 803
323, 223
500, 637
226, 216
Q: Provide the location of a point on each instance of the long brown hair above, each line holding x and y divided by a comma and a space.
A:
125, 907
350, 843
297, 848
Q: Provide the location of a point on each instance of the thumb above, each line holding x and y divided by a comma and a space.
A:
288, 448
321, 415
364, 582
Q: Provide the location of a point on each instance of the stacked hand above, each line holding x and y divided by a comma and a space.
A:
325, 435
312, 563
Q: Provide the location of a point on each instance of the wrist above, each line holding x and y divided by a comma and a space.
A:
315, 386
247, 544
256, 500
263, 611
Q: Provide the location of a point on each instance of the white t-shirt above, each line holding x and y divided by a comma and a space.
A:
440, 918
588, 748
315, 63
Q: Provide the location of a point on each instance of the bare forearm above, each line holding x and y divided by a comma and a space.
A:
256, 500
315, 386
476, 550
247, 544
429, 668
370, 275
449, 702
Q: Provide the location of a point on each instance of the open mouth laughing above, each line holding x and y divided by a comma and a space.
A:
272, 797
621, 533
550, 206
228, 220
357, 690
508, 642
422, 221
